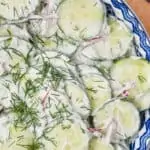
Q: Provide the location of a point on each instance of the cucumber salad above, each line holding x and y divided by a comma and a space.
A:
69, 77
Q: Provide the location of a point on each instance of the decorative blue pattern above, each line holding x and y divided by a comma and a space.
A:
145, 136
122, 11
141, 142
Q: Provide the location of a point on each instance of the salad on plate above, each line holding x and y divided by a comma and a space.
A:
69, 77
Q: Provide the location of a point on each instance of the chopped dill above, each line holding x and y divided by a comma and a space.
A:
56, 77
34, 145
30, 88
24, 115
141, 78
91, 90
45, 69
27, 59
50, 139
104, 71
12, 51
7, 42
61, 112
16, 73
65, 126
37, 41
59, 40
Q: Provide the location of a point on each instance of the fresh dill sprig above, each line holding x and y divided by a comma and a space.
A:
56, 77
24, 115
141, 78
16, 73
7, 42
36, 41
104, 71
12, 51
31, 88
45, 69
34, 145
59, 40
28, 58
92, 90
61, 112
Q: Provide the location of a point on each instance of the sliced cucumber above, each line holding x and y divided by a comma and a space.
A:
98, 144
110, 46
17, 8
19, 140
142, 101
26, 133
119, 35
83, 25
78, 98
132, 75
122, 114
98, 88
62, 136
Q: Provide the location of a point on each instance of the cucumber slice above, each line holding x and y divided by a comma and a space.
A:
19, 139
15, 9
78, 98
132, 74
98, 88
62, 136
98, 144
83, 25
114, 45
127, 120
142, 101
120, 37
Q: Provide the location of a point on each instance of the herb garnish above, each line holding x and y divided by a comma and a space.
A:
35, 145
141, 78
25, 115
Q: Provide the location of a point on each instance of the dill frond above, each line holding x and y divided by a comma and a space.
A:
24, 115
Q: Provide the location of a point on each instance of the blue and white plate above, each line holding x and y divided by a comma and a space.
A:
122, 11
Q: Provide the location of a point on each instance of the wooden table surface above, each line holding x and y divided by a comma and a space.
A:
142, 9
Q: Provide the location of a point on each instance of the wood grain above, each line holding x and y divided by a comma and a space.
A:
142, 9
